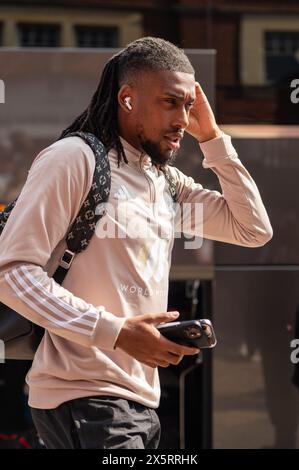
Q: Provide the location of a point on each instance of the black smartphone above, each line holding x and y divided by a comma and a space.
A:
195, 333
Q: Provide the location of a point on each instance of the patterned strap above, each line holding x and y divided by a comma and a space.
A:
171, 183
6, 213
84, 225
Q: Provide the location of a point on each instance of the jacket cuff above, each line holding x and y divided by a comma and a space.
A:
107, 330
216, 149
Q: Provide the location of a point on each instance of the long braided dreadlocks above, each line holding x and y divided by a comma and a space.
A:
145, 54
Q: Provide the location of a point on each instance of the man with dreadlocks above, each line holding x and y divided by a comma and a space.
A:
94, 381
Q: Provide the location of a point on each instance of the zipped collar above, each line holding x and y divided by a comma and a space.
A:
136, 156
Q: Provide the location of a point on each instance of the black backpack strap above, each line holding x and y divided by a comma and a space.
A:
92, 209
171, 183
6, 213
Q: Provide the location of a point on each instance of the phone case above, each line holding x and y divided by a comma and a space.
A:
198, 333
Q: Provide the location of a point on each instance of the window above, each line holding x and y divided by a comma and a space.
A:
38, 35
281, 54
96, 36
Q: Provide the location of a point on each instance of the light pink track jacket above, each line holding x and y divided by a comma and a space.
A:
114, 278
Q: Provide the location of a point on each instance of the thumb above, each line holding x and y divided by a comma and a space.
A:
165, 317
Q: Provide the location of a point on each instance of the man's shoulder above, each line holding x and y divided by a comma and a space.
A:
73, 145
67, 152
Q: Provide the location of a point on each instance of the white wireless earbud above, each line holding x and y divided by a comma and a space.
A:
127, 102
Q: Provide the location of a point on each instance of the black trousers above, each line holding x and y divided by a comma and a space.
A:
98, 423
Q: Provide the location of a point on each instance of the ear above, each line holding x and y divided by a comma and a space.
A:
124, 92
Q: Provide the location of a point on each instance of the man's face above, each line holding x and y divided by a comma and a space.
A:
162, 102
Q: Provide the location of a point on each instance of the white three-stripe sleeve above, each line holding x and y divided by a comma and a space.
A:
41, 300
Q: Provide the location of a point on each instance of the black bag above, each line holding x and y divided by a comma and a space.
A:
21, 337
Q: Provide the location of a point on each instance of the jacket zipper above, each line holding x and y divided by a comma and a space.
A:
151, 185
152, 190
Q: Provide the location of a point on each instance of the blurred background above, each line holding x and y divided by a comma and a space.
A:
246, 56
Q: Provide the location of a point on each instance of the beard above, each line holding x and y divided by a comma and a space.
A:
158, 156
